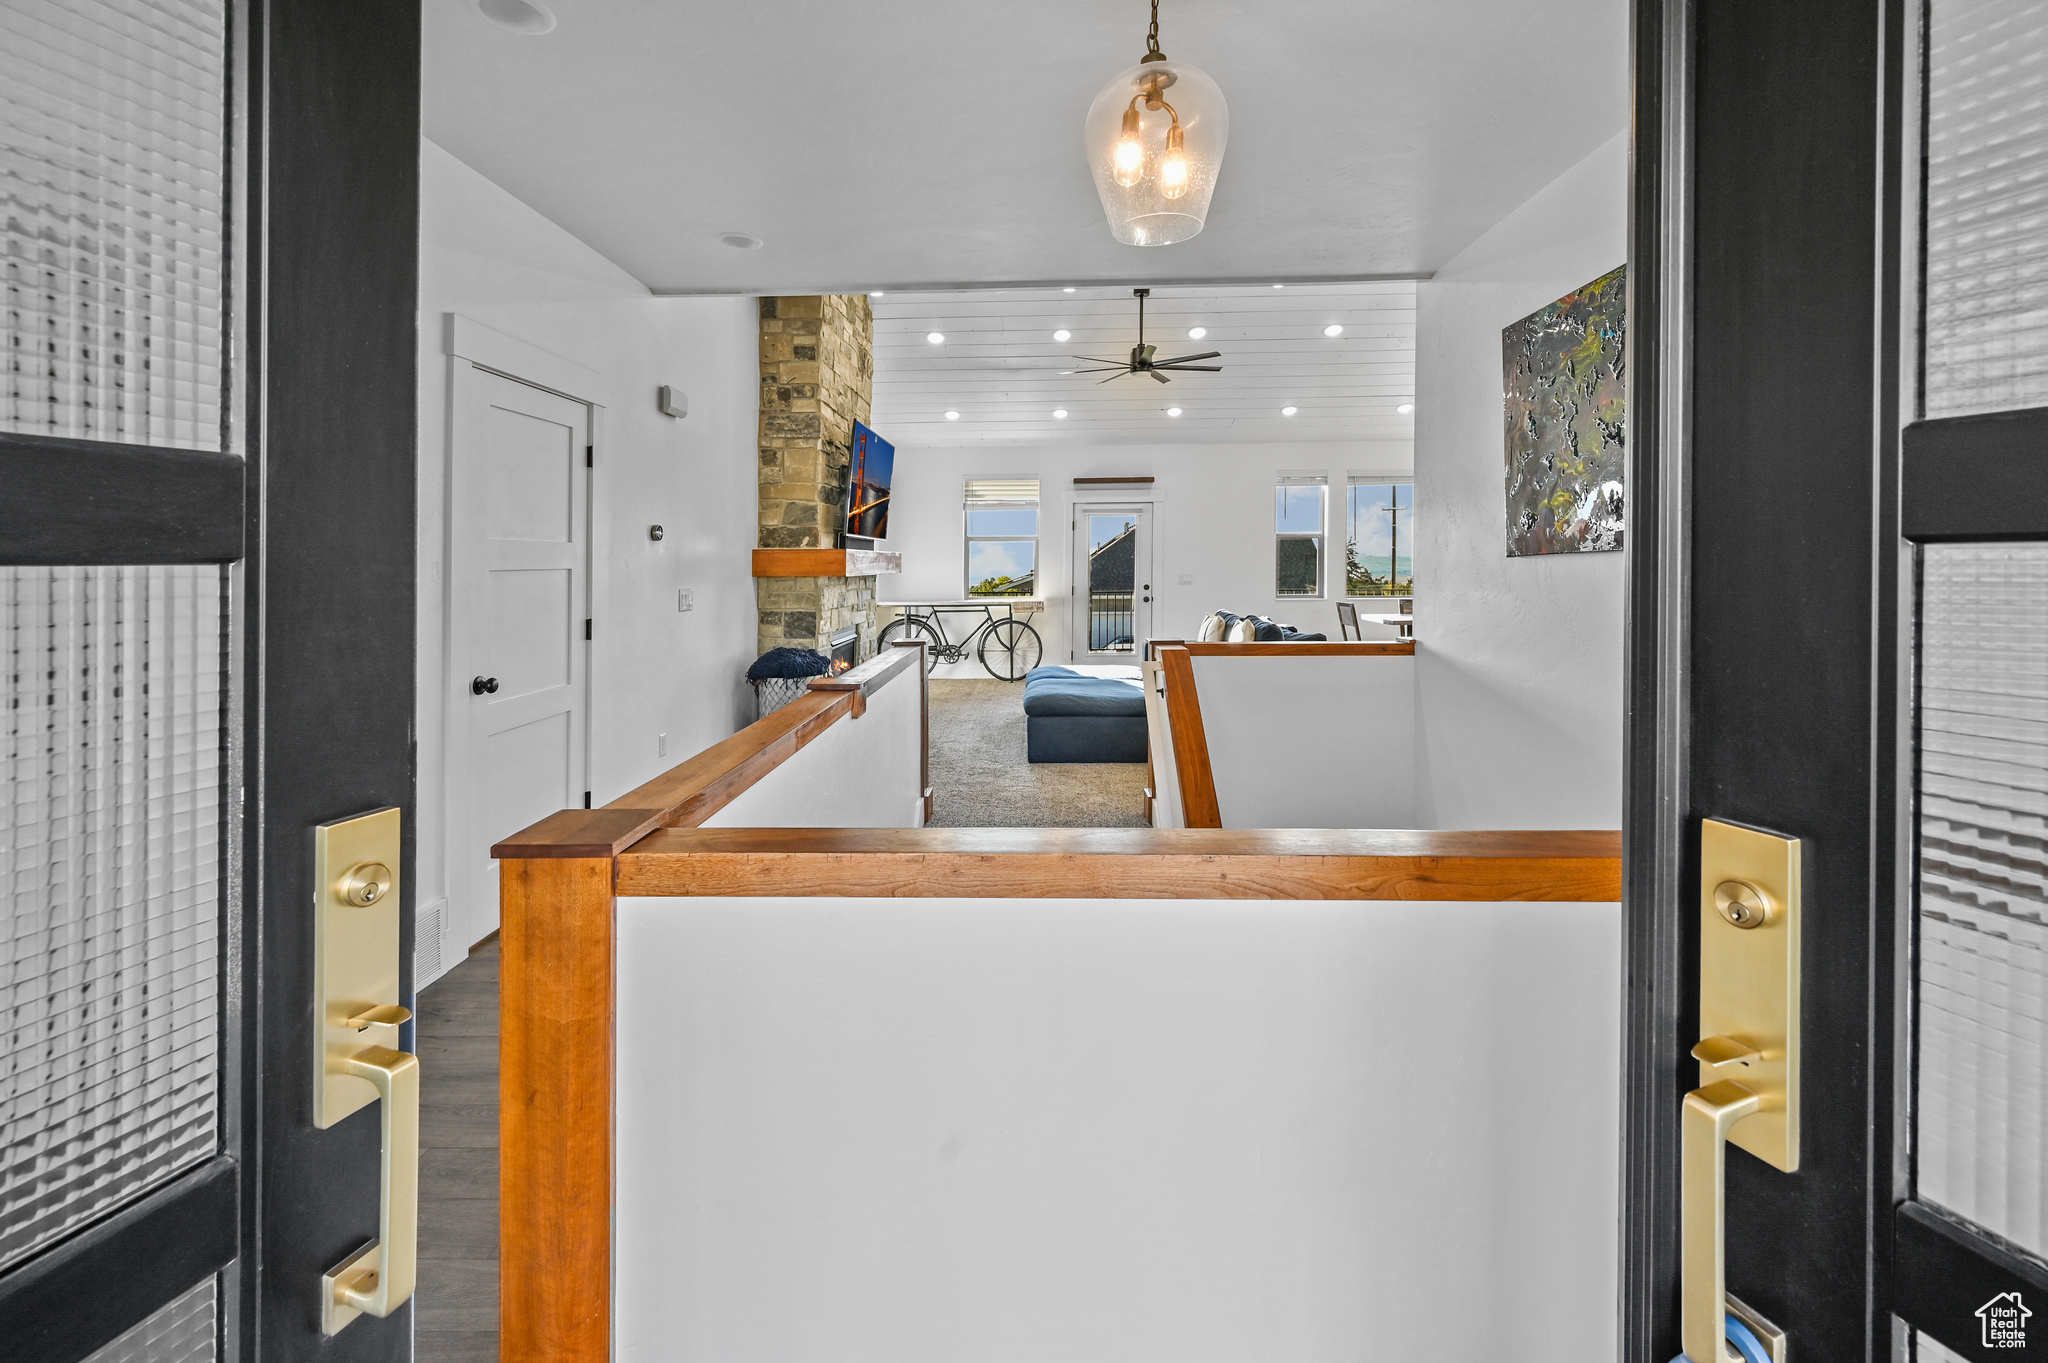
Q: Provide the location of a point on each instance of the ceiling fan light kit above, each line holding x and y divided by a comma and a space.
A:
1155, 139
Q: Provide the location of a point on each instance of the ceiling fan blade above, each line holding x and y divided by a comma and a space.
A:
1159, 376
1182, 359
1143, 353
1099, 369
1114, 377
1097, 359
1189, 368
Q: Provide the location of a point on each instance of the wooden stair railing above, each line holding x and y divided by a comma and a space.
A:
561, 879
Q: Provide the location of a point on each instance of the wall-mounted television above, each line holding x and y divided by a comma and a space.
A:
867, 488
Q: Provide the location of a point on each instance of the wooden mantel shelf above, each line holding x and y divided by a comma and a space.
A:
824, 562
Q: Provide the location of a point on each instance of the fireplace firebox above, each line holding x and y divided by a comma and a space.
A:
844, 650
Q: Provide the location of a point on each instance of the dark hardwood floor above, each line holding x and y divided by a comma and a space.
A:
457, 1299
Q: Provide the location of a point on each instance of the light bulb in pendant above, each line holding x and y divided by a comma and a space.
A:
1174, 172
1130, 151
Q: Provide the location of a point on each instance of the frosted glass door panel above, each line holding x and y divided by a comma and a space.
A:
183, 1331
109, 861
1982, 1149
1986, 331
111, 179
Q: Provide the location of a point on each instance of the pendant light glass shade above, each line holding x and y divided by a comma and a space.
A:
1155, 140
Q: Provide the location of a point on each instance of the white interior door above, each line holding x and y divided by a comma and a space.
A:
1112, 588
521, 494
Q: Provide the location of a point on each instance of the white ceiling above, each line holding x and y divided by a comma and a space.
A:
999, 366
897, 143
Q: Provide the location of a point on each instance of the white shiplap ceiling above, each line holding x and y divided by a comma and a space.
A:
1000, 368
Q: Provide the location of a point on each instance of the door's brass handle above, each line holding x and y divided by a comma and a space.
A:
1710, 1113
379, 1278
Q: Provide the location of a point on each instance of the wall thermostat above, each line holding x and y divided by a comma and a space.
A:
673, 401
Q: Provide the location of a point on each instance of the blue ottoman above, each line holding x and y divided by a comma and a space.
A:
1094, 714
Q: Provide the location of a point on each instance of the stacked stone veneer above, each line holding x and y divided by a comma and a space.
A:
817, 379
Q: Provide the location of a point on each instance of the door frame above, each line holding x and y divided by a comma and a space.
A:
1749, 118
320, 274
1078, 627
474, 350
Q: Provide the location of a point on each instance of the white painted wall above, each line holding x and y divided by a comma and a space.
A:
1519, 661
487, 256
953, 1131
860, 773
1212, 521
1310, 742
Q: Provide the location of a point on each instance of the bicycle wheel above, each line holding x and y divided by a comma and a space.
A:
910, 628
1010, 649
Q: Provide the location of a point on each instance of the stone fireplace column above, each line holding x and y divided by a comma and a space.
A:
817, 379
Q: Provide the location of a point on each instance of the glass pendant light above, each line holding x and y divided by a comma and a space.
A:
1155, 140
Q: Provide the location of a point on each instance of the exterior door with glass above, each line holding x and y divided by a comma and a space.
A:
1112, 583
1839, 636
207, 572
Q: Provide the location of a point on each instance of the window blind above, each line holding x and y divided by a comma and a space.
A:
1302, 480
993, 492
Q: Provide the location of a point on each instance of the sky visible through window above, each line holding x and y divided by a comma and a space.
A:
997, 567
1380, 531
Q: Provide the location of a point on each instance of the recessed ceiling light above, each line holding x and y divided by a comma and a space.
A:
741, 241
952, 416
520, 16
1197, 333
1279, 286
1173, 411
1405, 408
935, 337
1288, 411
874, 293
1333, 330
1059, 414
1063, 335
1068, 289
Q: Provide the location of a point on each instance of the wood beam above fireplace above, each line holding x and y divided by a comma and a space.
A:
824, 562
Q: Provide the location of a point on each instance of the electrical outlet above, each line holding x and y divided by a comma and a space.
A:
661, 745
686, 598
1187, 579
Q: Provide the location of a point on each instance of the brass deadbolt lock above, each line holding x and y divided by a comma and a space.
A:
365, 884
1742, 903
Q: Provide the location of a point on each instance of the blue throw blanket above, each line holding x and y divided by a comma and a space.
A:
1050, 691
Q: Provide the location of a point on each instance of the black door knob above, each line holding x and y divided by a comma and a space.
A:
483, 686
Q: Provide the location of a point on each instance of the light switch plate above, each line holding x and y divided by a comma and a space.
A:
686, 598
1187, 579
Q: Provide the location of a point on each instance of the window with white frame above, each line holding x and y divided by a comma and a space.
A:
1002, 536
1299, 508
1379, 536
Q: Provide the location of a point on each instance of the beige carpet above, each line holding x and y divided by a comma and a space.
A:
980, 778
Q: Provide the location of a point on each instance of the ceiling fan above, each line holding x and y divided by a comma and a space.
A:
1141, 361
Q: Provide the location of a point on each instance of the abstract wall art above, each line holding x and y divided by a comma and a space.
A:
1567, 397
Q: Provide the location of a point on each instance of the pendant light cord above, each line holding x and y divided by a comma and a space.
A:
1152, 52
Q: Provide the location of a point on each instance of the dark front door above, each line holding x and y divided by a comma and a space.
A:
1840, 635
207, 227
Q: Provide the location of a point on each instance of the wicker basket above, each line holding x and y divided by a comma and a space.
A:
772, 693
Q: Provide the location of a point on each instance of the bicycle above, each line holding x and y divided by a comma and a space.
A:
1008, 648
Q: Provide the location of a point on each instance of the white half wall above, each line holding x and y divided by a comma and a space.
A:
1315, 742
860, 773
1212, 522
654, 669
1518, 661
983, 1131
